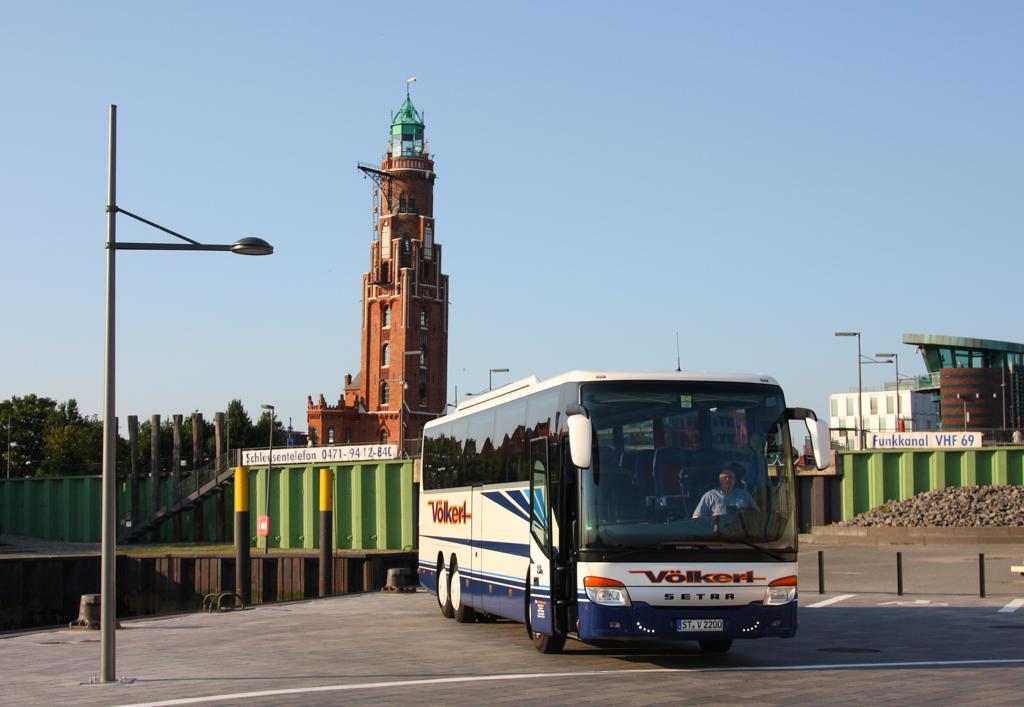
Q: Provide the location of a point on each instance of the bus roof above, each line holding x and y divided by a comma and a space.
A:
532, 384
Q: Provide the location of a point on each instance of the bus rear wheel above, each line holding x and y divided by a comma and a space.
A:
464, 613
715, 645
444, 595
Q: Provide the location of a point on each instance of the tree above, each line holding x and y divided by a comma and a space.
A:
24, 422
261, 435
239, 430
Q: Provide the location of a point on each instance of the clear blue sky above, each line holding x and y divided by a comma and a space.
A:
754, 175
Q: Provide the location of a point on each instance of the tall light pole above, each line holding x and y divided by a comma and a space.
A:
270, 466
108, 529
10, 426
860, 389
490, 376
896, 359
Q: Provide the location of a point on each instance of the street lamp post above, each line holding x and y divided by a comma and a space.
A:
270, 466
490, 376
860, 389
108, 529
896, 359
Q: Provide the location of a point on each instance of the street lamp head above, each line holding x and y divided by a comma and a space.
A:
267, 407
847, 333
499, 370
252, 246
885, 355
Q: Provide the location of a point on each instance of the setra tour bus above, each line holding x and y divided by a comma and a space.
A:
604, 506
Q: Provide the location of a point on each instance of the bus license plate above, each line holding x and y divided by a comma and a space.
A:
700, 624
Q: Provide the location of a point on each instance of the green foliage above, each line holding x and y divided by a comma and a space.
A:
24, 423
55, 439
240, 430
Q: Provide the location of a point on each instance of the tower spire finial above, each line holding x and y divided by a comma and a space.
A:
408, 82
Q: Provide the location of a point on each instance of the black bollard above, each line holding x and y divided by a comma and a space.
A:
243, 571
899, 573
981, 574
821, 571
326, 528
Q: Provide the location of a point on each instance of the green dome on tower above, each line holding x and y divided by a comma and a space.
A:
407, 130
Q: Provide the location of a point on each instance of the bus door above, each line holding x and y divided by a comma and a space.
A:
542, 576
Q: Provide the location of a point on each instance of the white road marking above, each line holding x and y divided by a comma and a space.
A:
829, 602
582, 673
1012, 606
915, 602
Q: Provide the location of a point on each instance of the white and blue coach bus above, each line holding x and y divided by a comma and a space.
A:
596, 506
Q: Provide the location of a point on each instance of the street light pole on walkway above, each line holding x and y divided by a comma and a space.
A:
860, 389
108, 528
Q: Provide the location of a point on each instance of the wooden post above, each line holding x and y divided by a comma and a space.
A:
221, 498
154, 468
176, 472
197, 464
133, 466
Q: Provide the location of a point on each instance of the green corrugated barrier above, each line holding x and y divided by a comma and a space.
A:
872, 477
374, 507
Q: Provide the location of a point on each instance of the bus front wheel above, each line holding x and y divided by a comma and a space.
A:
444, 596
544, 644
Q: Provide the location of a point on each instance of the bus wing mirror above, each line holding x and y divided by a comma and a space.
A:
821, 443
581, 434
817, 430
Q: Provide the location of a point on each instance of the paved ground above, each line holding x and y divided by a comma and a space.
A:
387, 648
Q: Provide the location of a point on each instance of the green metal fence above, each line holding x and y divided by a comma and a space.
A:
374, 507
870, 478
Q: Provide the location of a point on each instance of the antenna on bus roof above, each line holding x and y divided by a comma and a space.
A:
678, 365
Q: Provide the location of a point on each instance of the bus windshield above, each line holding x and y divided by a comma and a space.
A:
687, 463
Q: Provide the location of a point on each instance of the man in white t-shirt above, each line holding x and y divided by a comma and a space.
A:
728, 498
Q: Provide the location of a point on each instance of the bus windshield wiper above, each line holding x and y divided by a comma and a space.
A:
755, 546
718, 544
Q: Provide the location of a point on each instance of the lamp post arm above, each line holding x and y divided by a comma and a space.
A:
118, 209
169, 246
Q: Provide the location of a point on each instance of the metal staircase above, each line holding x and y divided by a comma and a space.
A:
192, 491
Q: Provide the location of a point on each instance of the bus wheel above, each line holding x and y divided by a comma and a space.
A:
544, 644
464, 613
444, 598
715, 645
548, 644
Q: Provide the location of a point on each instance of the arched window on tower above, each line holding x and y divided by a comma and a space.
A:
385, 394
385, 356
348, 435
401, 204
423, 394
383, 436
386, 316
423, 318
330, 435
423, 355
412, 203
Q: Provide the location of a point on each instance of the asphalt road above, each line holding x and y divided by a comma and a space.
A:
855, 647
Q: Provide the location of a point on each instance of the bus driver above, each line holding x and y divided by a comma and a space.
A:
726, 499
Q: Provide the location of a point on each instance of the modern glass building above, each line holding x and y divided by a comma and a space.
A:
975, 382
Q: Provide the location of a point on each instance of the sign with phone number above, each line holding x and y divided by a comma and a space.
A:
317, 455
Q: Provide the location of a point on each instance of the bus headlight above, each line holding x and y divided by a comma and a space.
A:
607, 592
781, 591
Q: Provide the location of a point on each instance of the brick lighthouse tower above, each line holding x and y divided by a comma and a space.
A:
403, 378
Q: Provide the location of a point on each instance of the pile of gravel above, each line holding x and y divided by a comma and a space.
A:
968, 507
